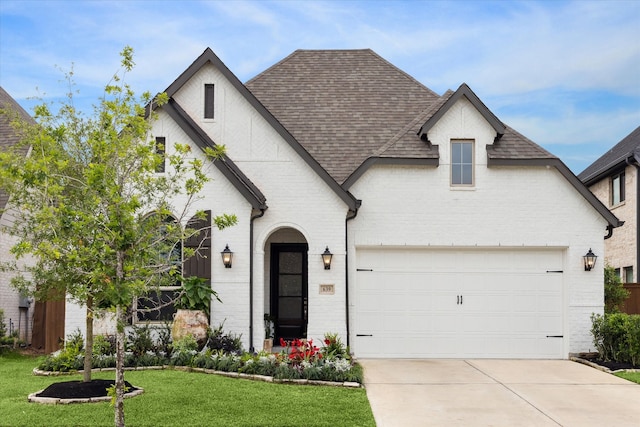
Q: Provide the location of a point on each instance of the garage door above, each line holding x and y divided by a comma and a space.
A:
416, 303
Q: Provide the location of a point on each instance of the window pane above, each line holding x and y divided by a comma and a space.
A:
290, 262
290, 286
290, 308
616, 190
456, 174
466, 174
160, 151
466, 152
208, 101
155, 307
628, 275
456, 152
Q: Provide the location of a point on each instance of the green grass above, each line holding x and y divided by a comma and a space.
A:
175, 398
631, 376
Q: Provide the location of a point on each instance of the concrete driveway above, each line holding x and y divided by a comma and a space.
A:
497, 393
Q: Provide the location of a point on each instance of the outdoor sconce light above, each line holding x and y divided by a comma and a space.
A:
589, 260
227, 257
326, 258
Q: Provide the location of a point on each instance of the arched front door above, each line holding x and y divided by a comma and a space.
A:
289, 290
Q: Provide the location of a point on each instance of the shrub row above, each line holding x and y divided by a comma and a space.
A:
617, 337
222, 352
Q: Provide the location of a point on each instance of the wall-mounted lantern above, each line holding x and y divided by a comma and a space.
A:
227, 257
326, 258
589, 260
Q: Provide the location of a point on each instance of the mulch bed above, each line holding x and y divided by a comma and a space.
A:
79, 389
613, 366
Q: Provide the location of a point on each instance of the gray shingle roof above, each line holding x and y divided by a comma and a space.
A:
347, 106
617, 156
343, 106
8, 136
514, 146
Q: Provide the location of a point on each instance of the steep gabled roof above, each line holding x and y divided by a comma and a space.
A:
463, 91
8, 136
225, 165
628, 148
344, 106
209, 57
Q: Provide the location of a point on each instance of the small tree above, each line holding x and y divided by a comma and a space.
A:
614, 292
82, 199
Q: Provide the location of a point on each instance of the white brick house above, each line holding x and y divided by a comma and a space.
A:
452, 235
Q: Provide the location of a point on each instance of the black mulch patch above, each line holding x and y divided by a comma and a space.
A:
79, 389
614, 366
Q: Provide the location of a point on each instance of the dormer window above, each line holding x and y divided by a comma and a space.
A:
208, 101
462, 163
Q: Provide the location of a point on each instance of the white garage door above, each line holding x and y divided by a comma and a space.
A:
412, 303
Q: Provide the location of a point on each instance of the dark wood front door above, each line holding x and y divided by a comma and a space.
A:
289, 290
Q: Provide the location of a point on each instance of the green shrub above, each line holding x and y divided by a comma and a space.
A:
139, 340
70, 358
217, 339
104, 345
614, 292
75, 341
617, 336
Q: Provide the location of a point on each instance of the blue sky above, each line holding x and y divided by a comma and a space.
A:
564, 73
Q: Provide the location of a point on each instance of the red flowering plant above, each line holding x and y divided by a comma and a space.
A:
334, 348
298, 351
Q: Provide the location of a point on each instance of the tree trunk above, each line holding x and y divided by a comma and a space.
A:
88, 342
119, 406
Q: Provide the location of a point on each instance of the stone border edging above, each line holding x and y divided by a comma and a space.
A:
252, 377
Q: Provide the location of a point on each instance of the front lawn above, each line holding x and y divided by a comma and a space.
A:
631, 376
182, 399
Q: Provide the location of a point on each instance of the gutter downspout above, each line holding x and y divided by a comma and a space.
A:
350, 215
254, 217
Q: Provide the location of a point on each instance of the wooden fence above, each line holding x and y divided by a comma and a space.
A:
632, 304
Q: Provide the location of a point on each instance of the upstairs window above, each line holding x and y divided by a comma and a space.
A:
208, 100
461, 163
160, 151
617, 189
628, 275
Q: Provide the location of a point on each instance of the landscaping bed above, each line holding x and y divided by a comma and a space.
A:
299, 361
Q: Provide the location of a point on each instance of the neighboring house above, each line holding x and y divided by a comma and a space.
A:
613, 178
451, 234
18, 310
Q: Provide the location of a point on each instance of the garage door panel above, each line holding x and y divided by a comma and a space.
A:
459, 303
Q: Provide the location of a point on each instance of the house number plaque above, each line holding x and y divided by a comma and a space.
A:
327, 289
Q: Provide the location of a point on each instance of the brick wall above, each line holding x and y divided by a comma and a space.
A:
21, 320
620, 250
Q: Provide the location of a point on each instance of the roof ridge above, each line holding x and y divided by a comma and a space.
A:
409, 76
280, 62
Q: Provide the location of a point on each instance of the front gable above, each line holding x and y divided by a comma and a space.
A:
227, 127
463, 92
